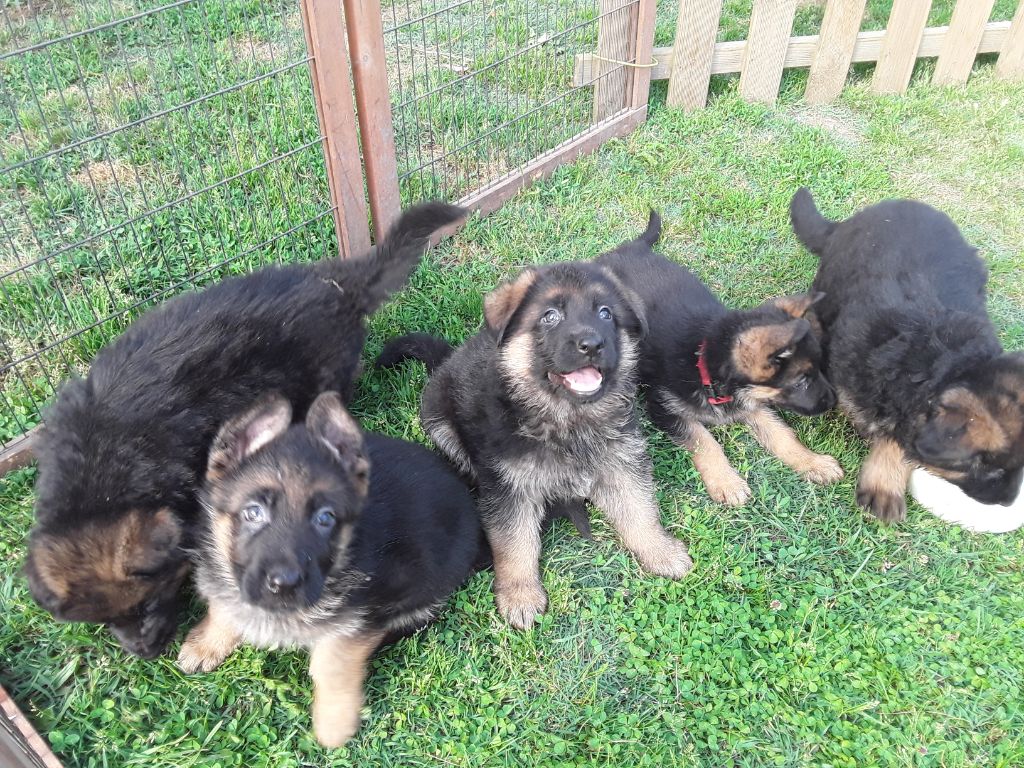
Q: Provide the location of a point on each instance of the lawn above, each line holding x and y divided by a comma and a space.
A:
807, 634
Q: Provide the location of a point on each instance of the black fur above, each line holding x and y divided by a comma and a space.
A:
133, 434
409, 542
432, 351
681, 313
905, 324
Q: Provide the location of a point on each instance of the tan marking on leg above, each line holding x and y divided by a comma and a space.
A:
518, 591
882, 485
627, 500
777, 436
338, 668
724, 484
209, 643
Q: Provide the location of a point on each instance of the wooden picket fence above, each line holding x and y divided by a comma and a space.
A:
769, 49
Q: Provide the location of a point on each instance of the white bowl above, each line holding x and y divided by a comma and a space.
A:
947, 502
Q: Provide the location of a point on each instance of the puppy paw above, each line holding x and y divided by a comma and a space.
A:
822, 469
336, 721
886, 506
521, 603
670, 558
728, 488
199, 656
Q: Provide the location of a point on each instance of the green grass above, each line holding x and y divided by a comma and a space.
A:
807, 634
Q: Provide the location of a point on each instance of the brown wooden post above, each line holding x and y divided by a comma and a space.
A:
1011, 57
614, 28
332, 91
900, 45
960, 48
373, 106
641, 48
771, 22
696, 30
834, 55
19, 452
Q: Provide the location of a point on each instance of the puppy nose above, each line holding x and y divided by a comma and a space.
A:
283, 579
589, 343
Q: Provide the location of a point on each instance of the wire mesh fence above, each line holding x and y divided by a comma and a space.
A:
145, 148
480, 88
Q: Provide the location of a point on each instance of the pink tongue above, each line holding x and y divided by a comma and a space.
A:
584, 380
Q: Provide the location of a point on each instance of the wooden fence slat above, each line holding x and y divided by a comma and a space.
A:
373, 105
728, 57
960, 48
1011, 55
771, 22
900, 45
640, 52
325, 38
834, 55
696, 30
613, 42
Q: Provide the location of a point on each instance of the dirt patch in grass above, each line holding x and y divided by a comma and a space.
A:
841, 123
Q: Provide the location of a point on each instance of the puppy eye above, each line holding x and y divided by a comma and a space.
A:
604, 313
254, 513
324, 518
551, 317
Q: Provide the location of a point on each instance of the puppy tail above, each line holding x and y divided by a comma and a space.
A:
652, 234
386, 267
810, 226
431, 350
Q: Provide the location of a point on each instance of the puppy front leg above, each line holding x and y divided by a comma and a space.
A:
882, 485
210, 642
777, 436
513, 531
724, 484
627, 499
338, 668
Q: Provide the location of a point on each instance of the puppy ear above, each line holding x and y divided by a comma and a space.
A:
329, 421
501, 303
960, 427
153, 544
756, 350
797, 304
243, 435
636, 310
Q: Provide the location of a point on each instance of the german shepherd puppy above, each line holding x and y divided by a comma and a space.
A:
538, 410
705, 364
320, 536
912, 352
123, 451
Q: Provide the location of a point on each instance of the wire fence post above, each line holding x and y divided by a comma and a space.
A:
611, 91
642, 53
373, 106
329, 69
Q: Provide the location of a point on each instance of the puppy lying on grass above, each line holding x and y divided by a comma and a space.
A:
320, 536
912, 352
705, 364
538, 410
123, 452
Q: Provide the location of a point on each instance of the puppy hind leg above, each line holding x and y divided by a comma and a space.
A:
338, 667
627, 500
209, 643
882, 484
514, 536
777, 436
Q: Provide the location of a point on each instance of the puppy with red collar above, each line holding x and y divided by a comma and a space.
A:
705, 364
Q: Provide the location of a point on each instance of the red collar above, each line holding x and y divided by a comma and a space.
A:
705, 378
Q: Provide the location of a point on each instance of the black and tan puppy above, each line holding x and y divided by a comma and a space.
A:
320, 536
538, 410
912, 353
705, 364
123, 451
